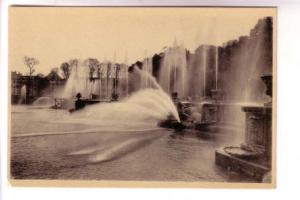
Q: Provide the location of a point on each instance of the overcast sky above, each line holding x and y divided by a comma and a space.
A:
55, 35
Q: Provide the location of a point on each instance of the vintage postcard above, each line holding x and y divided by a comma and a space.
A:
142, 96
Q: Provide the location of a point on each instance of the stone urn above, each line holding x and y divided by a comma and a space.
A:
267, 79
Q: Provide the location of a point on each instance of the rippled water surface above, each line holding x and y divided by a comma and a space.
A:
52, 144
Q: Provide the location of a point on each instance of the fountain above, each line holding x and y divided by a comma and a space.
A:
254, 156
165, 99
206, 77
147, 104
83, 80
23, 98
239, 65
147, 67
44, 102
173, 70
207, 62
103, 82
204, 69
123, 80
216, 93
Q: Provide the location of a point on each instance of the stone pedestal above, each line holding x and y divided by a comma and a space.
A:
258, 131
253, 157
210, 110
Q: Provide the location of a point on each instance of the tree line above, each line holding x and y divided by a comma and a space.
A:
93, 64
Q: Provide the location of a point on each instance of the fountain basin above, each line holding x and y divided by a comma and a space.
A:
253, 167
253, 157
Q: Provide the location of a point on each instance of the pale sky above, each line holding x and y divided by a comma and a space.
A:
56, 34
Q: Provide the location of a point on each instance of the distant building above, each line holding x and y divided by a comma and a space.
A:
16, 85
26, 89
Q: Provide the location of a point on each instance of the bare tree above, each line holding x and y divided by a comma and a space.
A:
30, 63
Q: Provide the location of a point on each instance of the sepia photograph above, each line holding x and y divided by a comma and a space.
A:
142, 96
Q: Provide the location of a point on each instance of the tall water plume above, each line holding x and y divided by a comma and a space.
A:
197, 73
78, 82
244, 61
147, 67
103, 80
217, 66
173, 70
204, 58
123, 80
23, 99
